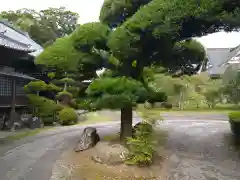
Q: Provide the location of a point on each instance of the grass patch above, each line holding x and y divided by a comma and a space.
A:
219, 109
20, 135
95, 118
202, 111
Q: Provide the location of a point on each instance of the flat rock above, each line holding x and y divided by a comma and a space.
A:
110, 154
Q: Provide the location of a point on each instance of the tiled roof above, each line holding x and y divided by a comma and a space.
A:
216, 57
233, 56
18, 75
14, 38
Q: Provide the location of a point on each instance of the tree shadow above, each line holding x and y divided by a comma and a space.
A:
232, 141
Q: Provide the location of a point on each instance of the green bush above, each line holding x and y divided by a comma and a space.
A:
53, 88
141, 146
68, 116
44, 108
234, 116
35, 86
157, 97
234, 120
48, 120
166, 105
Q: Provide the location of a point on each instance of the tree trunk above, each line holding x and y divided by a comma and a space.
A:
180, 101
65, 87
126, 123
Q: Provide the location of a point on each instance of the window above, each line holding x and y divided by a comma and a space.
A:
5, 86
19, 87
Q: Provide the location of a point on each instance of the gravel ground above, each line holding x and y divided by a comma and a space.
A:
201, 150
34, 157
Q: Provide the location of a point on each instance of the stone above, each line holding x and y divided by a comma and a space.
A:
14, 121
88, 139
109, 154
35, 122
25, 119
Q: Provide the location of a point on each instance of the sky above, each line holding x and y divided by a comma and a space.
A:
89, 12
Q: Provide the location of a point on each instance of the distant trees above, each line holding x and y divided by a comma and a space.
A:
231, 88
43, 26
193, 90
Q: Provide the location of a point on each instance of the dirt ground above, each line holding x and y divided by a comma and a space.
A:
195, 150
80, 166
83, 165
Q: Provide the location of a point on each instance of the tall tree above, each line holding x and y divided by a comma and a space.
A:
147, 31
135, 34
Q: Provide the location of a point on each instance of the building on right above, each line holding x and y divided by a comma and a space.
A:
220, 59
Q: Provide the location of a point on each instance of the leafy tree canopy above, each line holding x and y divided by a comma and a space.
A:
150, 32
61, 55
135, 34
116, 92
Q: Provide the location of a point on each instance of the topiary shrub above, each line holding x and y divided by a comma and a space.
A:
44, 108
234, 120
141, 146
68, 116
53, 88
35, 87
48, 120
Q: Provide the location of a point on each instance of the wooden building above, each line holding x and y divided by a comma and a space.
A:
17, 54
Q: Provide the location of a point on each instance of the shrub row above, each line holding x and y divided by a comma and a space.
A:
50, 111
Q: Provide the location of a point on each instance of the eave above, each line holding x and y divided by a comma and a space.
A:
14, 38
13, 44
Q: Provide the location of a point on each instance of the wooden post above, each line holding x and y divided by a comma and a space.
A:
13, 107
13, 94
